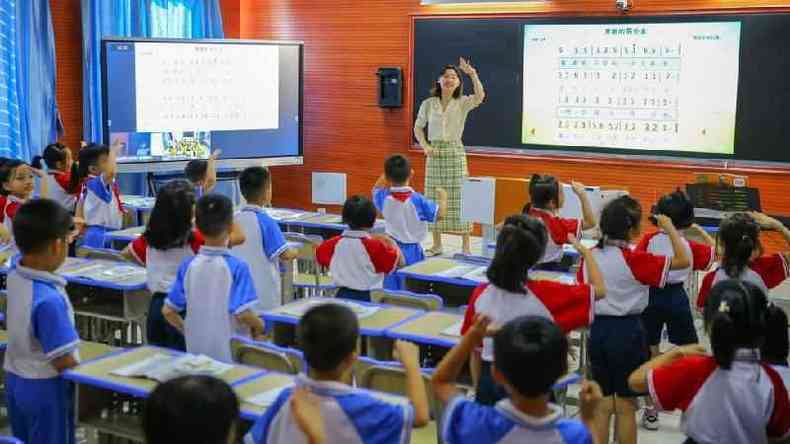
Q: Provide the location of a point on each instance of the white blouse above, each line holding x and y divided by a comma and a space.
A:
445, 125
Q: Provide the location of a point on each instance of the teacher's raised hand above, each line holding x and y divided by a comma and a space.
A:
466, 67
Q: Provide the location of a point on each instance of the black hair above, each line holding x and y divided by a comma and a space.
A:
531, 352
39, 222
195, 171
88, 157
618, 218
740, 235
397, 169
678, 207
735, 316
327, 335
170, 223
543, 190
189, 410
520, 245
359, 213
254, 181
436, 90
6, 173
214, 214
777, 343
52, 154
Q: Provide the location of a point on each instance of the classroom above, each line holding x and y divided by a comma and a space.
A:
397, 221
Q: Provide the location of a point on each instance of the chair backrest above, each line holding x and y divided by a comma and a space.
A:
266, 356
309, 244
427, 302
100, 253
390, 377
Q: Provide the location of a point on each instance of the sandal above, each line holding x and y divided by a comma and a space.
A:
433, 252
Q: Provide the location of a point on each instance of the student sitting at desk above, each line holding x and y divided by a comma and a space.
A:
17, 180
358, 260
743, 256
62, 188
42, 340
265, 245
546, 199
511, 293
328, 335
531, 354
406, 212
100, 200
202, 174
214, 287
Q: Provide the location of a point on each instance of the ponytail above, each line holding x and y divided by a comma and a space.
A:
618, 218
89, 156
777, 343
520, 246
36, 163
735, 317
543, 190
740, 235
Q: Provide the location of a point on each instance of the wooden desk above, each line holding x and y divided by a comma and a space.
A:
251, 412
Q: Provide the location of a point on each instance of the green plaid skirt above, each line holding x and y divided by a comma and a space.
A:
447, 169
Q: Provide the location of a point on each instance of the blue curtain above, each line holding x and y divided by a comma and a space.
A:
29, 118
192, 19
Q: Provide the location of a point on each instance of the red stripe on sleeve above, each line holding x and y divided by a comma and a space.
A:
383, 256
674, 386
139, 247
569, 305
470, 313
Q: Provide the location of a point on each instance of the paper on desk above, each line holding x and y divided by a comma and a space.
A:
453, 330
268, 397
362, 311
478, 275
125, 271
161, 367
457, 271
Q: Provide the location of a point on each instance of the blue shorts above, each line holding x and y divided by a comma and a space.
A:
617, 348
41, 410
669, 306
354, 295
94, 236
412, 253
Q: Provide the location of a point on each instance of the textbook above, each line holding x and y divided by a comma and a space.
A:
162, 367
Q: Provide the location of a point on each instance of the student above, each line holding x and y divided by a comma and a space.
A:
18, 184
531, 354
214, 287
618, 345
670, 305
776, 348
743, 254
100, 200
203, 173
191, 409
328, 337
5, 235
730, 397
546, 199
265, 245
168, 240
357, 260
405, 211
511, 293
42, 340
60, 166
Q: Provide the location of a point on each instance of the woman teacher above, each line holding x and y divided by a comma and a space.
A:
444, 113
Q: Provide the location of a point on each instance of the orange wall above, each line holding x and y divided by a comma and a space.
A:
346, 41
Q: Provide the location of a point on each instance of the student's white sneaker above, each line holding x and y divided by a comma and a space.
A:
650, 419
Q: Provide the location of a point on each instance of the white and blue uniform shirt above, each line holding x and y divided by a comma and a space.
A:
261, 251
351, 416
466, 422
59, 184
40, 322
406, 213
102, 204
162, 266
12, 204
213, 287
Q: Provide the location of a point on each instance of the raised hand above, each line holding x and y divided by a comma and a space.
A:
764, 220
466, 67
664, 222
407, 353
578, 188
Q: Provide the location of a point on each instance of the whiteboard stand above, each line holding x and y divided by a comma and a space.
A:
477, 205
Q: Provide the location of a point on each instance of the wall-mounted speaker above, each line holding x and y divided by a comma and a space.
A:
390, 87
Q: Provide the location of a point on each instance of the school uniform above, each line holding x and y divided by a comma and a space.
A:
406, 216
102, 209
12, 205
569, 306
618, 344
766, 272
747, 404
467, 422
161, 270
670, 305
261, 251
40, 322
358, 263
784, 373
213, 287
59, 184
558, 230
350, 416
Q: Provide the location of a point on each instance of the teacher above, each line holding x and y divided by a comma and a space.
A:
444, 113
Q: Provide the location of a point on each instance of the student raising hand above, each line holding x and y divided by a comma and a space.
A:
306, 410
